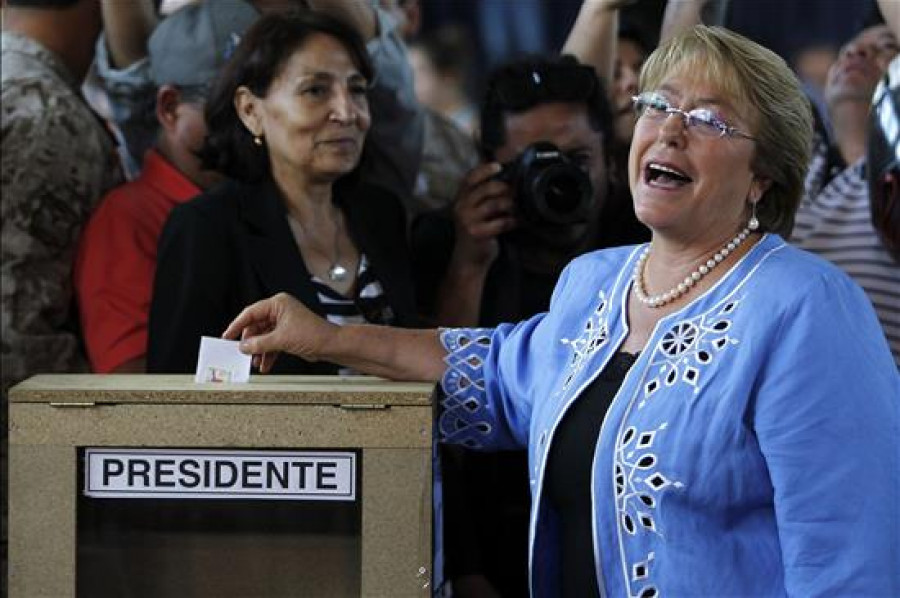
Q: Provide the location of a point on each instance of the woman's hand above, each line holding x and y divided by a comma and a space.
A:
279, 323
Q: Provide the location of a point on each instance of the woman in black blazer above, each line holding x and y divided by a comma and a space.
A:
287, 121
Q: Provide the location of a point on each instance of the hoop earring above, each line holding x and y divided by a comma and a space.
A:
753, 224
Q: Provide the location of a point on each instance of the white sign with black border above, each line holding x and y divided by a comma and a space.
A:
219, 474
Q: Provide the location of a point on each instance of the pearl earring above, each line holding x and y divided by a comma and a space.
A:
754, 221
257, 140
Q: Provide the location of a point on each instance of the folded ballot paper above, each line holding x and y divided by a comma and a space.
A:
221, 361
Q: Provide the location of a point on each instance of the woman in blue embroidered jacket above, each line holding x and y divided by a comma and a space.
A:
715, 413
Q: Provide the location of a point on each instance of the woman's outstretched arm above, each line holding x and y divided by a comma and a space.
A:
281, 323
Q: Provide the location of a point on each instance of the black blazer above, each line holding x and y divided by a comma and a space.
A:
232, 246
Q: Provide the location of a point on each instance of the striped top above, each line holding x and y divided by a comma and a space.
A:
834, 221
367, 305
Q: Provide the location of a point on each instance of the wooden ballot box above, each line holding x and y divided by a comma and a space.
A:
152, 485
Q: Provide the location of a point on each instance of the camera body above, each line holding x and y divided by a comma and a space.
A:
550, 188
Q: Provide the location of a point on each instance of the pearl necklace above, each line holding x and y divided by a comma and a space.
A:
690, 280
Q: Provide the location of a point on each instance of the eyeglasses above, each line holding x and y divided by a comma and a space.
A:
701, 120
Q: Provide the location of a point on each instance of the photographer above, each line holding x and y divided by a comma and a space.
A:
539, 199
522, 215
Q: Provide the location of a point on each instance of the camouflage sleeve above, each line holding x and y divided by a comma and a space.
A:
57, 161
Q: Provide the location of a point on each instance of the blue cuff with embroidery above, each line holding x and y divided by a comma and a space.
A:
463, 416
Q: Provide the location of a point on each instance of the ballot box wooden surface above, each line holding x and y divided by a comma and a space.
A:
68, 538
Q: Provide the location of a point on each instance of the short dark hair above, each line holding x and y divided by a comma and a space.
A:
525, 84
631, 32
257, 61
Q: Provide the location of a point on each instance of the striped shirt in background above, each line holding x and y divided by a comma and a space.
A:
368, 305
835, 222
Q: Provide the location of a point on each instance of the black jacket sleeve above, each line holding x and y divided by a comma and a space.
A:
190, 289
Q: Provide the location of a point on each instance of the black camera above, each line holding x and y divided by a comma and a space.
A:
550, 188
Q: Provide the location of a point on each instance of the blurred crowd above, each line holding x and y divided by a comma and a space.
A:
400, 162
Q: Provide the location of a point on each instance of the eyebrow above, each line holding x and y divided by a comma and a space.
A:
320, 75
887, 42
355, 77
882, 41
703, 101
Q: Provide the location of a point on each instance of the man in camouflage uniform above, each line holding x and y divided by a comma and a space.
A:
57, 161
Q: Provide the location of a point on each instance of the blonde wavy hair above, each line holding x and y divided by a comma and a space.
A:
758, 82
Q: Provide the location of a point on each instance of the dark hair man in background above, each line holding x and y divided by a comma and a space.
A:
504, 255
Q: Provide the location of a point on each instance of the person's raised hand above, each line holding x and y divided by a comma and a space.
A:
484, 209
279, 323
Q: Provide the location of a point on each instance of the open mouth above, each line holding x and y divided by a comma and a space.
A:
666, 177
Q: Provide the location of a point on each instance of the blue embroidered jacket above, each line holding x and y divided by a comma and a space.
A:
753, 449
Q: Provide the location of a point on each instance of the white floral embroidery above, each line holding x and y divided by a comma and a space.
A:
637, 480
640, 571
688, 348
639, 483
592, 338
685, 351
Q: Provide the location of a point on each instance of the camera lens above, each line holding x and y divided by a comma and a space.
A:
562, 192
550, 188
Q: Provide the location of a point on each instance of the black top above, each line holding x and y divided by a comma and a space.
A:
232, 246
569, 473
487, 495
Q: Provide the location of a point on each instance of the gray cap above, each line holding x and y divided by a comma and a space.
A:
190, 46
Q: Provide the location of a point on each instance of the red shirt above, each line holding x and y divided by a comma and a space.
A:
116, 261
